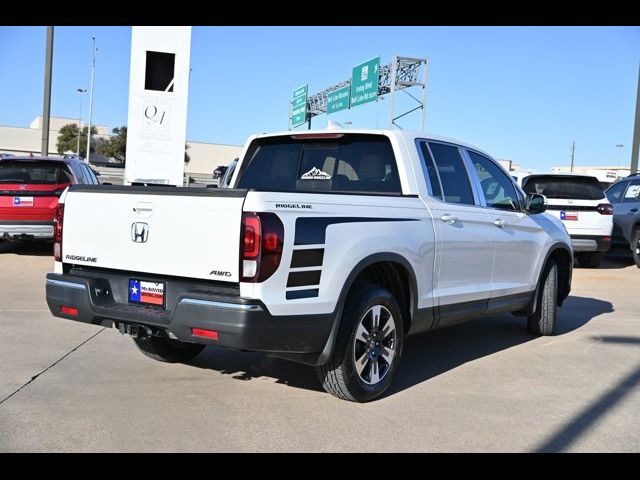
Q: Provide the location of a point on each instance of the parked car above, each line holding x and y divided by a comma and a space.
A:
625, 197
580, 203
228, 174
219, 172
330, 248
29, 192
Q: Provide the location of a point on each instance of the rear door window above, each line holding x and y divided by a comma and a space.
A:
577, 188
452, 173
340, 164
432, 173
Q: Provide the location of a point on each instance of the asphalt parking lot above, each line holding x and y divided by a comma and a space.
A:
482, 386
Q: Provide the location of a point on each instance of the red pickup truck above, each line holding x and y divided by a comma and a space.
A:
29, 192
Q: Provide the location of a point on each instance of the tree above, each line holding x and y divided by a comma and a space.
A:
68, 139
116, 146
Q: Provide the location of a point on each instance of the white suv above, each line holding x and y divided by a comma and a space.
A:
580, 203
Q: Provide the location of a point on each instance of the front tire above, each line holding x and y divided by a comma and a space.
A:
590, 259
544, 319
635, 247
368, 347
168, 350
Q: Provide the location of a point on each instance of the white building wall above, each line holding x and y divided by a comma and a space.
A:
205, 157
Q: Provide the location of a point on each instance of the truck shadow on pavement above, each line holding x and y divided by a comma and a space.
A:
40, 249
434, 353
426, 355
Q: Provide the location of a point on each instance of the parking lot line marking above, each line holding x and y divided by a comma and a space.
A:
50, 366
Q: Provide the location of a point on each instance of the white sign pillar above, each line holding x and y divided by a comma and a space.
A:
158, 93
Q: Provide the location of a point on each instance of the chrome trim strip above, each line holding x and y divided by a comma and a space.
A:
225, 305
61, 283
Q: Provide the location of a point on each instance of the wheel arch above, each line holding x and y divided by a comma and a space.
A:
361, 271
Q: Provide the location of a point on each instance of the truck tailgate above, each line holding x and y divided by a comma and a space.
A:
186, 232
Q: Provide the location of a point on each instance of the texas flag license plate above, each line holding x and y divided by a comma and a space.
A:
146, 293
23, 201
568, 215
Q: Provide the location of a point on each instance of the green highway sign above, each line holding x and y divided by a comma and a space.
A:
299, 106
364, 82
338, 99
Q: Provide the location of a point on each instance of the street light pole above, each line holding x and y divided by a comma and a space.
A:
46, 109
93, 73
81, 91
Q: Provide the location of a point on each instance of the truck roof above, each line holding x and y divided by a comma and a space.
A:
407, 135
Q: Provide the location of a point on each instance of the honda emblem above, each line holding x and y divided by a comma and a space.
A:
139, 232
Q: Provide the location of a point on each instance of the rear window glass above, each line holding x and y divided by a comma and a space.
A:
564, 187
33, 173
351, 163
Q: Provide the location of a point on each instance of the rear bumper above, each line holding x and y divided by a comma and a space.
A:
591, 243
26, 229
240, 323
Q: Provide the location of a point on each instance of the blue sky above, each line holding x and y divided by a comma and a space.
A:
522, 93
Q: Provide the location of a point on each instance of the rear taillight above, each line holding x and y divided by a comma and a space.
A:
57, 232
605, 209
261, 246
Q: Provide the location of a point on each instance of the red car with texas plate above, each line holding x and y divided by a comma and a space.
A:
29, 192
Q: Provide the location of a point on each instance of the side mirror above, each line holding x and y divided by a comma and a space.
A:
536, 203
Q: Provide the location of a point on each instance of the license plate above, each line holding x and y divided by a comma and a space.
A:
23, 201
568, 215
146, 293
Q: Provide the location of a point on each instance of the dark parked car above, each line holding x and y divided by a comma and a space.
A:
219, 172
29, 192
625, 197
226, 179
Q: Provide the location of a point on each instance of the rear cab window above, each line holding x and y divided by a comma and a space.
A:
334, 163
555, 186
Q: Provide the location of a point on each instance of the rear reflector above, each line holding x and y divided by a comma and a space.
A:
201, 332
69, 310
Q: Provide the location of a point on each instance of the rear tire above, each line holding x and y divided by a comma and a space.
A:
168, 350
544, 319
590, 259
368, 347
635, 247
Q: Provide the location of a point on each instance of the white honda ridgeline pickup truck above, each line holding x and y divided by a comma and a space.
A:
331, 246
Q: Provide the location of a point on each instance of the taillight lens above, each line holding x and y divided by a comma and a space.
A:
251, 230
262, 239
57, 232
605, 209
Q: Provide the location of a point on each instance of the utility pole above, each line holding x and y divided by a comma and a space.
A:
636, 132
573, 154
81, 91
93, 72
46, 110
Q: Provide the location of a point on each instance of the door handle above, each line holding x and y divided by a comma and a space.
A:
499, 223
633, 210
448, 218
